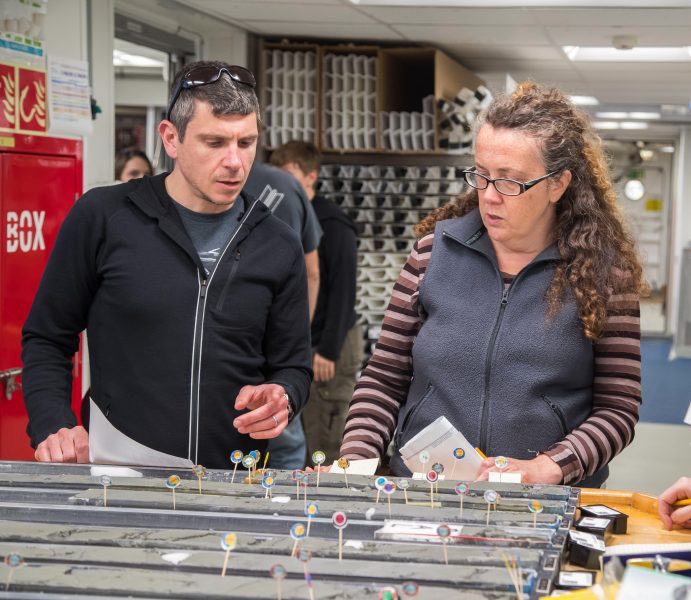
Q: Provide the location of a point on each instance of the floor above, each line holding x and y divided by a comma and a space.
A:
661, 450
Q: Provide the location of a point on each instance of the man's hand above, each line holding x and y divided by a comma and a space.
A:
324, 369
268, 411
541, 469
670, 514
67, 445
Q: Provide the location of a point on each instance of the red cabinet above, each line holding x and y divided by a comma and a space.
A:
40, 178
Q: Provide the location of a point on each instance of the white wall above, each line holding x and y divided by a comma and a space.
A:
66, 28
140, 92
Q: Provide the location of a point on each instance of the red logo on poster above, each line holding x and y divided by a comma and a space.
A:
31, 100
8, 97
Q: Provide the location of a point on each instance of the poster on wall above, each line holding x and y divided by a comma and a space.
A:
22, 25
69, 97
22, 99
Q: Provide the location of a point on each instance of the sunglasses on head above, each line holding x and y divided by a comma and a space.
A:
204, 75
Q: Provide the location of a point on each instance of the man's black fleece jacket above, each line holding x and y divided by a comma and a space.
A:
169, 350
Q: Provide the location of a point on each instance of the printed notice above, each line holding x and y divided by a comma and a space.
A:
69, 97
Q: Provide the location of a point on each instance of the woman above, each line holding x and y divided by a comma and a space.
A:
516, 315
132, 163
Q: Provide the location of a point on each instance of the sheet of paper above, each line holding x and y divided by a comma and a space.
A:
366, 466
108, 445
687, 418
440, 438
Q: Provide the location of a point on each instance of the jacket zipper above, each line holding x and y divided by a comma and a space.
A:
488, 369
204, 284
556, 409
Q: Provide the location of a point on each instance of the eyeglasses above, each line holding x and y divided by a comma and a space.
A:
506, 187
210, 74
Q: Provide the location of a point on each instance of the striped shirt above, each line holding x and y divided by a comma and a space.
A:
383, 386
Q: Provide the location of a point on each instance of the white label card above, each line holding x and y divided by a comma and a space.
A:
576, 578
594, 522
587, 539
603, 511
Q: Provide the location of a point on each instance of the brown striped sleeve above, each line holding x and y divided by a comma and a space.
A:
616, 395
383, 385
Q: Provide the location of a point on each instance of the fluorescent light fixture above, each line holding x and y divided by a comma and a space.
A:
605, 125
584, 100
669, 149
540, 3
638, 54
125, 59
649, 116
612, 115
633, 125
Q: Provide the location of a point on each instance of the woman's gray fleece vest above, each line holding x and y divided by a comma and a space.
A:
511, 381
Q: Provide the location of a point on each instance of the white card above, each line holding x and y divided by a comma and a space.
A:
366, 466
588, 539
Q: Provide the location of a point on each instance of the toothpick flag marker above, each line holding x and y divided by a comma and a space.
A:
297, 532
404, 484
410, 589
490, 496
536, 508
199, 472
458, 454
311, 510
106, 482
318, 458
461, 489
236, 458
13, 561
444, 532
344, 463
389, 489
379, 483
278, 572
228, 542
171, 483
340, 522
432, 478
304, 556
268, 483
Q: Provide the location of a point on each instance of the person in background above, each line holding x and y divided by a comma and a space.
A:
193, 294
670, 514
286, 199
516, 315
132, 163
337, 341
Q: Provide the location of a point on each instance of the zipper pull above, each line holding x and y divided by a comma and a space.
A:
202, 292
505, 297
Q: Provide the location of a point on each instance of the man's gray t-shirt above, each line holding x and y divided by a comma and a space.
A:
286, 198
210, 232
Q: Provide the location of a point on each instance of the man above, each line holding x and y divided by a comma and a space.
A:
336, 338
193, 295
286, 199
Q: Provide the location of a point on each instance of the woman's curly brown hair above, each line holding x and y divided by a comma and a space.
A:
598, 252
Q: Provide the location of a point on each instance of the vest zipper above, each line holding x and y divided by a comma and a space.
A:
488, 369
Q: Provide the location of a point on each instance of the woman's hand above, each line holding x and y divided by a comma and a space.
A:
541, 469
675, 515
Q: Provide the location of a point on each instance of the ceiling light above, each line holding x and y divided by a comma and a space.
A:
125, 59
633, 125
667, 149
639, 54
646, 154
645, 115
612, 115
605, 124
584, 100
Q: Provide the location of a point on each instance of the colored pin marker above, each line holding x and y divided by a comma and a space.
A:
228, 541
536, 508
311, 510
389, 489
278, 572
106, 482
388, 593
266, 458
461, 489
379, 483
318, 458
340, 522
199, 472
297, 477
432, 478
297, 532
256, 455
410, 589
438, 468
344, 463
490, 497
13, 561
501, 462
404, 484
268, 483
459, 455
444, 533
248, 461
236, 457
304, 556
423, 457
171, 483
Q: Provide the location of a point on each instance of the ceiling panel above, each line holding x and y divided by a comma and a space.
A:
513, 53
623, 18
294, 11
490, 36
450, 16
338, 31
602, 36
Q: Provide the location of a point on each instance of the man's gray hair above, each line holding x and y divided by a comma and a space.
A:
225, 96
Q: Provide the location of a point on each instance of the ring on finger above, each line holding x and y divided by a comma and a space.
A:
275, 419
